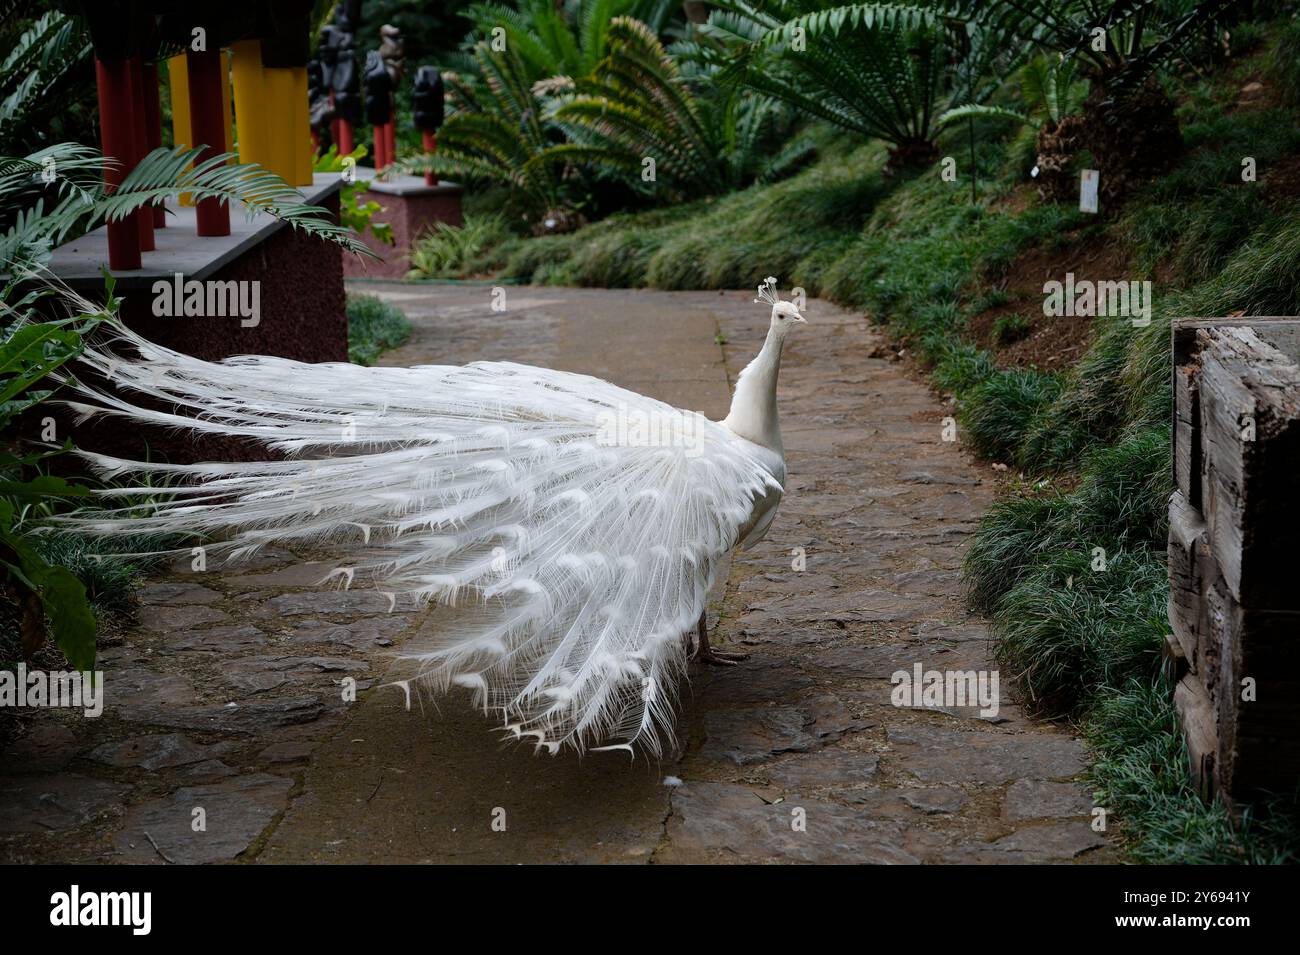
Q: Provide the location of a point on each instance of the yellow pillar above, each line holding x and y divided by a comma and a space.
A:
278, 85
250, 102
179, 83
227, 112
304, 151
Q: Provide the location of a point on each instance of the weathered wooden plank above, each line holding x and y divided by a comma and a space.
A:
1259, 685
1234, 604
1197, 717
1173, 662
1188, 558
1281, 331
1253, 684
1187, 434
1250, 427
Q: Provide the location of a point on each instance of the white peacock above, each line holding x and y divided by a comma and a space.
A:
586, 520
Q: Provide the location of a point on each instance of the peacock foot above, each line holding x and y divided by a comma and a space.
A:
719, 658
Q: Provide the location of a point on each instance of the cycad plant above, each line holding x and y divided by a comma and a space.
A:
1053, 96
498, 131
566, 38
675, 129
1119, 47
1054, 91
57, 193
43, 75
881, 70
1119, 44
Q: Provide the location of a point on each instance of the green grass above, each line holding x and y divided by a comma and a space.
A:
110, 578
1141, 775
110, 568
1284, 62
374, 326
999, 410
1010, 328
794, 229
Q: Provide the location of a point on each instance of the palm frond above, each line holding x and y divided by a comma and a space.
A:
35, 227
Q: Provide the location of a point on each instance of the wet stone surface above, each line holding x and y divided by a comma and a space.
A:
198, 702
881, 510
230, 700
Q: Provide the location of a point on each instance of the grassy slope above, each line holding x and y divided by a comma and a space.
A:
1092, 441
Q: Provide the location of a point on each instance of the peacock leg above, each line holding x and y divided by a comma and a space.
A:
717, 658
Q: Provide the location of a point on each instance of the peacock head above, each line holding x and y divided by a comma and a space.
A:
784, 314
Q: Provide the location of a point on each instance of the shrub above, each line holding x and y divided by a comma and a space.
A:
374, 326
448, 251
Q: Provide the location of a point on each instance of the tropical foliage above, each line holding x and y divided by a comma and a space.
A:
47, 198
39, 590
499, 132
356, 210
878, 70
561, 39
43, 77
649, 118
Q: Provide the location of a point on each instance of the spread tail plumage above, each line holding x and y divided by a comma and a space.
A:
586, 520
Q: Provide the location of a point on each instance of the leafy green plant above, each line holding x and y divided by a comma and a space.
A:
1284, 61
448, 251
56, 194
881, 70
875, 69
1120, 47
29, 354
1052, 88
561, 39
356, 211
1010, 328
498, 133
374, 326
1118, 44
639, 106
999, 410
42, 75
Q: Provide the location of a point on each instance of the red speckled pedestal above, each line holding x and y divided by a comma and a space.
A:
302, 309
410, 207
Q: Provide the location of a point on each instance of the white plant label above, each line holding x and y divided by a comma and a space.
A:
1088, 190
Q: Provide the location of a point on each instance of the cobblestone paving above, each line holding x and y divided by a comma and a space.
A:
228, 697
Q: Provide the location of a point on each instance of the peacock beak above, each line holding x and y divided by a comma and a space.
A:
801, 320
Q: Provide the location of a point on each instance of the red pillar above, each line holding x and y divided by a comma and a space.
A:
144, 216
390, 140
153, 128
207, 122
334, 126
430, 144
117, 140
344, 138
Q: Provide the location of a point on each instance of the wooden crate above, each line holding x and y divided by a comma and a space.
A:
1234, 580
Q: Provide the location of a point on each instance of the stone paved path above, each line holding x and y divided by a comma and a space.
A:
227, 697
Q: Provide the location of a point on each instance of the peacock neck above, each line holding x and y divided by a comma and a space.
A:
753, 413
